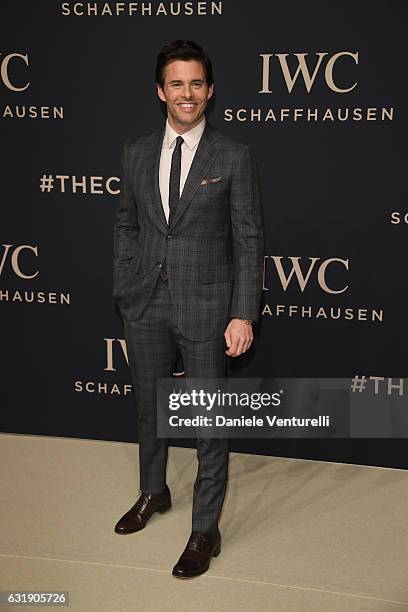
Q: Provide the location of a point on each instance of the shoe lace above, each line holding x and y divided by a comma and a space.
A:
198, 541
141, 503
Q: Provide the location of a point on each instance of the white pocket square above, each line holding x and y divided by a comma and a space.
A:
215, 179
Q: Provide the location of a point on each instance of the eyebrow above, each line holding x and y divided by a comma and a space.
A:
192, 81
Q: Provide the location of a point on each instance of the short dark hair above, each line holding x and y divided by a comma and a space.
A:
183, 50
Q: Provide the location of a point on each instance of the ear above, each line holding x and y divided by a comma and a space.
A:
210, 91
160, 93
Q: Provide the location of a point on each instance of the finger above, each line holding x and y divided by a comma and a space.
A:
248, 342
240, 346
233, 347
246, 345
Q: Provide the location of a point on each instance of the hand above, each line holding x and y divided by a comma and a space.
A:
238, 337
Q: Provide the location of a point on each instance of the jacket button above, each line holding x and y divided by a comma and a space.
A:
159, 265
169, 236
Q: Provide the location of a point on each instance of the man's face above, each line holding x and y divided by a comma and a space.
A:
184, 82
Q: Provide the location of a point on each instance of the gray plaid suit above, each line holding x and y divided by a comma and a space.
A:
213, 251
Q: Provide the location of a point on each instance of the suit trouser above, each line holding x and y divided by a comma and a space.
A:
152, 342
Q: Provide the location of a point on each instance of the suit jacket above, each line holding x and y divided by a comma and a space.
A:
214, 244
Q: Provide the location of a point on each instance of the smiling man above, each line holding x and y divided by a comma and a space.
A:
188, 262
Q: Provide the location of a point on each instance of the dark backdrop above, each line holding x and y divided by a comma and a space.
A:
74, 86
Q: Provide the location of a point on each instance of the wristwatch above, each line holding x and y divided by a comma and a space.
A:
246, 321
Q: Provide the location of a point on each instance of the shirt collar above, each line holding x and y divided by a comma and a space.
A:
191, 138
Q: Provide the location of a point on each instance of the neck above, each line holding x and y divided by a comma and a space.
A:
181, 129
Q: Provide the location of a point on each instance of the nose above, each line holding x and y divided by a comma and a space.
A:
187, 92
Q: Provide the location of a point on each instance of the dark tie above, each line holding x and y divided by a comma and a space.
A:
174, 188
174, 184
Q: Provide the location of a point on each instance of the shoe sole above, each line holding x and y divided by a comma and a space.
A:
161, 510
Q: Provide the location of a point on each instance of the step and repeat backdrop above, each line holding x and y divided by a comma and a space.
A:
320, 93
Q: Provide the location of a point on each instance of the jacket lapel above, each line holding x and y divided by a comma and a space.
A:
152, 171
202, 161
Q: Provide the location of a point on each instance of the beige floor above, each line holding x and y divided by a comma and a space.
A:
297, 535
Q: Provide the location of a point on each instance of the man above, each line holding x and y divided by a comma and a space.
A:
187, 276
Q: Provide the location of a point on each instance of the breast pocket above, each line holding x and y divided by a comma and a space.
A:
214, 189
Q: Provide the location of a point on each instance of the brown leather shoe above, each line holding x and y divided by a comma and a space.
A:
200, 549
136, 518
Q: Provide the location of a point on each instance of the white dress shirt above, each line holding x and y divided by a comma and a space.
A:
188, 149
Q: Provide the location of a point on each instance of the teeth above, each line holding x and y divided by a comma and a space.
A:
187, 105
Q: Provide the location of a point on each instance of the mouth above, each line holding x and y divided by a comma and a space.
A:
187, 106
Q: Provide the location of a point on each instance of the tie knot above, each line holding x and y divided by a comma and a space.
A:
179, 141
